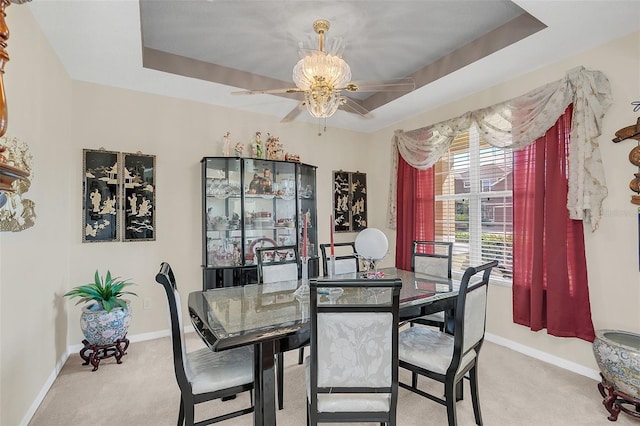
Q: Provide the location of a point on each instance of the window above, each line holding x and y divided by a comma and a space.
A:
473, 203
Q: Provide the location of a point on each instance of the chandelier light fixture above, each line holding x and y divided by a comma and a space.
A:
323, 78
321, 75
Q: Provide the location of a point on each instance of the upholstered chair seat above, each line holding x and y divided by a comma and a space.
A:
429, 349
209, 371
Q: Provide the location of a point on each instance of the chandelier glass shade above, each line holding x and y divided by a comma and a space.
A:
321, 76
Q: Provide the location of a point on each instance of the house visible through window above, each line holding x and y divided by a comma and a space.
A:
473, 203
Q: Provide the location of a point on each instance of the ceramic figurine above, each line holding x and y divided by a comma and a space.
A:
259, 152
274, 148
292, 157
239, 149
226, 144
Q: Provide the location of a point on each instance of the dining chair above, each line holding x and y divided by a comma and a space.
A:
277, 264
433, 258
204, 375
346, 261
346, 258
352, 371
448, 358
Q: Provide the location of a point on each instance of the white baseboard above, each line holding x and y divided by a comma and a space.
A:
543, 356
43, 392
75, 349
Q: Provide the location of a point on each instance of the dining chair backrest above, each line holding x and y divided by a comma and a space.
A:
278, 264
363, 385
432, 257
437, 356
166, 278
471, 312
204, 375
346, 258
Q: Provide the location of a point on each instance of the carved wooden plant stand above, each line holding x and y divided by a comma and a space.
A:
614, 401
97, 353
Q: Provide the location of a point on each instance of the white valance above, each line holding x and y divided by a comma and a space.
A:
515, 124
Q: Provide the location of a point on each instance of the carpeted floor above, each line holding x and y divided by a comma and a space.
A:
514, 390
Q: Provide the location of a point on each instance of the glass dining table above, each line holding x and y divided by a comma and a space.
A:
273, 319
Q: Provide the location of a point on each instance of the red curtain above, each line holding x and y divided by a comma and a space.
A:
415, 210
550, 288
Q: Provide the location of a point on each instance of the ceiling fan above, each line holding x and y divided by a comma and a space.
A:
324, 77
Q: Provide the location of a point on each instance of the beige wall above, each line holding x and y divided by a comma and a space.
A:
35, 263
612, 251
58, 118
179, 133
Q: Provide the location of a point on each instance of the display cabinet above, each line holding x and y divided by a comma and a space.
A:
250, 203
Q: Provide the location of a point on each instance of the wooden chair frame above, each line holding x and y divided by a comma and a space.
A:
325, 257
261, 263
453, 375
280, 355
313, 416
435, 245
188, 399
449, 254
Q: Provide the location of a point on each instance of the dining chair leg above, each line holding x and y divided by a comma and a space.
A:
188, 413
475, 398
280, 368
181, 413
450, 397
301, 356
414, 380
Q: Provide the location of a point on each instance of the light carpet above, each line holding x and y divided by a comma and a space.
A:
514, 390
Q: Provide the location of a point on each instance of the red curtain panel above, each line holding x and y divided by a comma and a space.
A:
550, 287
415, 210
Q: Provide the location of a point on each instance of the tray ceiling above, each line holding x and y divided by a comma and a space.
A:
206, 49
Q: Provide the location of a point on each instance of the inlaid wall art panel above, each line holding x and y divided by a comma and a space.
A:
349, 201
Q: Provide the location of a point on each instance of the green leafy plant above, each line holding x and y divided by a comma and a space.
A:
104, 292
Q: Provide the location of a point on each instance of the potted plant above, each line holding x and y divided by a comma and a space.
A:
106, 318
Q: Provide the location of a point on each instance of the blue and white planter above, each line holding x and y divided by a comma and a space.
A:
618, 356
104, 328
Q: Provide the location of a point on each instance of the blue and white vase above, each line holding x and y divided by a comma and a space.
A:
618, 356
104, 328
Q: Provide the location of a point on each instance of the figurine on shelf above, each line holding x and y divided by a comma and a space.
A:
226, 144
258, 149
292, 157
239, 149
274, 148
267, 183
261, 184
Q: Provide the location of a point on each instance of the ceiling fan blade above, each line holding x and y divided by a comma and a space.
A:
393, 85
353, 106
268, 91
294, 113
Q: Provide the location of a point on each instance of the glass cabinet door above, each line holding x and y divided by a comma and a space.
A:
223, 211
269, 206
307, 207
250, 203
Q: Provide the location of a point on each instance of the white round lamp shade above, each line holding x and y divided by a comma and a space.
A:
371, 243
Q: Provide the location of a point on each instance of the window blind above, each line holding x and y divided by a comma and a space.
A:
473, 203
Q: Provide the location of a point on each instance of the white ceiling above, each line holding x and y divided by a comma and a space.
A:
101, 41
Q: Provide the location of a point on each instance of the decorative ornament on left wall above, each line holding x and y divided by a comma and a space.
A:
18, 213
